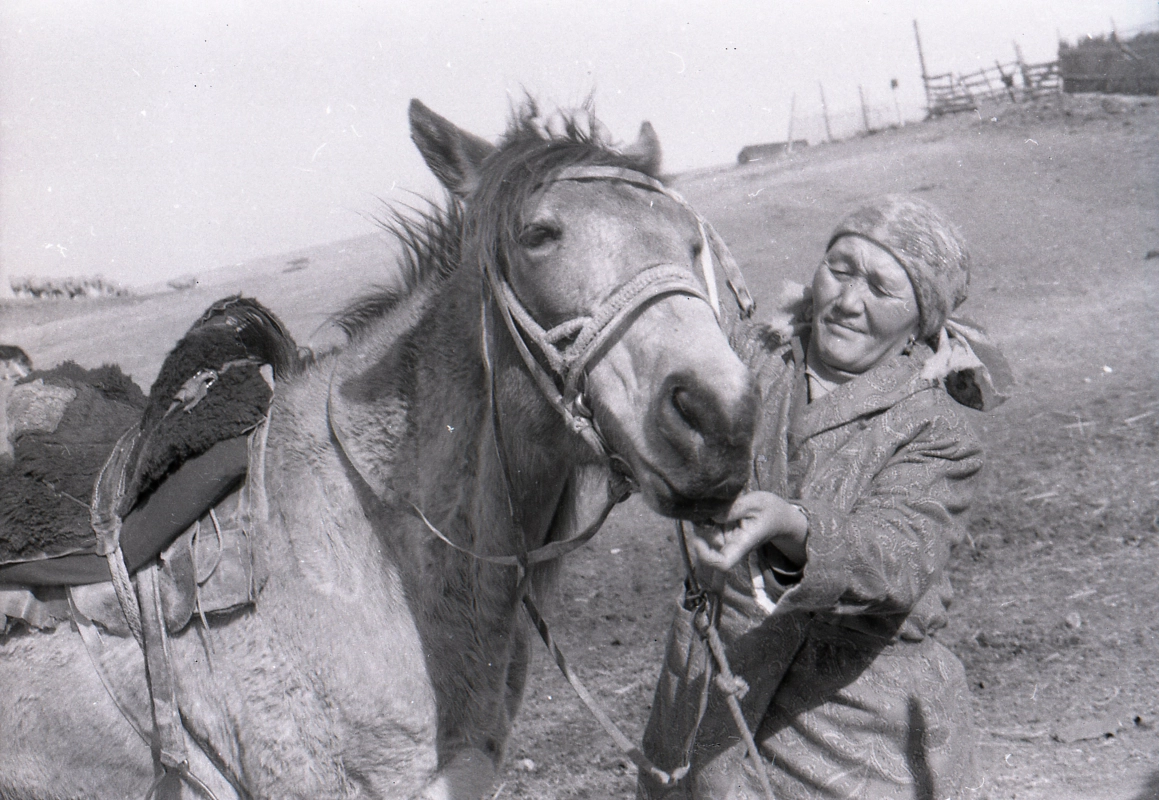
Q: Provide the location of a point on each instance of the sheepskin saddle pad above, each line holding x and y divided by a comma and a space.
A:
213, 389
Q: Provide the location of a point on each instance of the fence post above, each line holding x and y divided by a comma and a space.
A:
792, 111
1007, 81
1027, 80
825, 113
864, 109
922, 61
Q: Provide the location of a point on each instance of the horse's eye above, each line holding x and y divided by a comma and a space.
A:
539, 234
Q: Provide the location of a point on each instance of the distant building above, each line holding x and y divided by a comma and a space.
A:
765, 152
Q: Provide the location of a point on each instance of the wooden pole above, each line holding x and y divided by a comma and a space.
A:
825, 113
985, 77
1007, 81
5, 284
792, 111
1027, 81
922, 61
864, 110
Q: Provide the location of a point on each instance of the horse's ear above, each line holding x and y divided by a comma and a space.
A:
454, 155
645, 151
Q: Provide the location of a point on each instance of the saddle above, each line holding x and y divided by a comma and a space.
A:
172, 456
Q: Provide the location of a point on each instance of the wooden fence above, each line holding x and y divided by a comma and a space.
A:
1014, 82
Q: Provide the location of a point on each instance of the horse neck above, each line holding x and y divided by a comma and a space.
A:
465, 467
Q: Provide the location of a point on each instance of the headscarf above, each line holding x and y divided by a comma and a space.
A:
929, 248
933, 254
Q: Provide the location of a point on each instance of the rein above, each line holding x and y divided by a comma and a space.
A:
562, 385
704, 605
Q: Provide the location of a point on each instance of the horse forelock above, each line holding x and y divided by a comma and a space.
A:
431, 239
533, 148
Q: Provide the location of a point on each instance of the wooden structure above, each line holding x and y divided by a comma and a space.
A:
1013, 82
767, 152
1111, 65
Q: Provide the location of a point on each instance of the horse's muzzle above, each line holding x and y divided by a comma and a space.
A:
700, 436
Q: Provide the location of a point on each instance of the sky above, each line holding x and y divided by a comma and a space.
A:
144, 140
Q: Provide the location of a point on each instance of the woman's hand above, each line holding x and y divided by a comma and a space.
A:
755, 518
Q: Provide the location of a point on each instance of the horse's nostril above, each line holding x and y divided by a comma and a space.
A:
701, 422
686, 407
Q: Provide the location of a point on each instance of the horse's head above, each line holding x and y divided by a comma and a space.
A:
597, 273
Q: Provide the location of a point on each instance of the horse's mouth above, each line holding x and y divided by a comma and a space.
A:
701, 508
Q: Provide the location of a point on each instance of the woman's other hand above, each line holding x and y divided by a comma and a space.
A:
754, 519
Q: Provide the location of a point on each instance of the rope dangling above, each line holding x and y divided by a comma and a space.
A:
705, 607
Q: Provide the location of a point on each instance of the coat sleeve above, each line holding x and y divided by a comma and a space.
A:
882, 555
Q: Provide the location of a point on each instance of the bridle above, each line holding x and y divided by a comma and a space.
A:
562, 381
566, 352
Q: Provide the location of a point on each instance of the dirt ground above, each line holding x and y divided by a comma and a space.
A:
1056, 614
1056, 610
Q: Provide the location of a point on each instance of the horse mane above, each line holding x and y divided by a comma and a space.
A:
431, 239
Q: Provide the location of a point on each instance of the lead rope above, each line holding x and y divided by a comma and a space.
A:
626, 747
618, 490
705, 608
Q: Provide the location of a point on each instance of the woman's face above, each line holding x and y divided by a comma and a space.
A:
864, 307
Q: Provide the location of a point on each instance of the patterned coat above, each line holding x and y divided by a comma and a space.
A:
849, 696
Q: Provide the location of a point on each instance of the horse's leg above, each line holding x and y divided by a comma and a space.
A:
468, 776
517, 671
61, 735
471, 773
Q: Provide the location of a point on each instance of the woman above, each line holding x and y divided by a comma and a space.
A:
832, 568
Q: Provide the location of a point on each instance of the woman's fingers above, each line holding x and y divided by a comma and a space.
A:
752, 505
753, 519
708, 556
724, 549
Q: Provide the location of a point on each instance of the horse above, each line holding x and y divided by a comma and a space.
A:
558, 334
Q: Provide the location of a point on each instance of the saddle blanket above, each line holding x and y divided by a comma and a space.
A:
207, 570
86, 447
